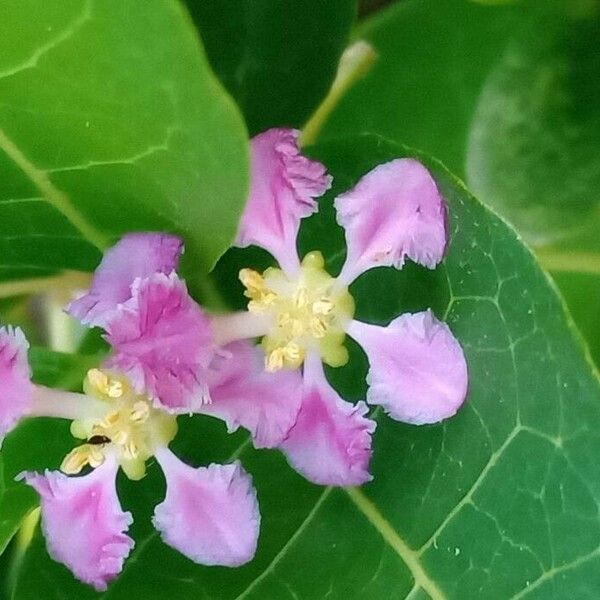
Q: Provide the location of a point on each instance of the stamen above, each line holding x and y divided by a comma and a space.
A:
81, 456
98, 380
128, 427
323, 306
309, 312
114, 389
274, 360
140, 412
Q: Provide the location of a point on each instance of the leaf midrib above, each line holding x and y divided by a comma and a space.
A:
53, 195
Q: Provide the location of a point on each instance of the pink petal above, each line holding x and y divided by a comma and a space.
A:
135, 255
243, 394
83, 522
16, 389
394, 211
163, 341
331, 441
418, 371
283, 191
210, 514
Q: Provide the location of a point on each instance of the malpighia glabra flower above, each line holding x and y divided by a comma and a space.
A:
210, 514
161, 338
164, 343
417, 370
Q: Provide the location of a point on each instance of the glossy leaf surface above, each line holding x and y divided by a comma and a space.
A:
276, 57
111, 121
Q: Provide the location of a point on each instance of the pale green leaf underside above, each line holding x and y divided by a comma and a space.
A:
499, 502
111, 121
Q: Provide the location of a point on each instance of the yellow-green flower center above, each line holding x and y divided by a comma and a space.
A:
131, 429
309, 312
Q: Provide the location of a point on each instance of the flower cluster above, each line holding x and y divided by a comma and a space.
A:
169, 357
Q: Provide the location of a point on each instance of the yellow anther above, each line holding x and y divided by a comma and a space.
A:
297, 327
253, 282
323, 306
111, 419
98, 380
274, 360
80, 457
96, 457
318, 327
283, 319
301, 298
114, 389
140, 412
292, 352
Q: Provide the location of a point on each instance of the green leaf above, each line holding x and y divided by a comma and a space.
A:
111, 121
276, 57
499, 502
36, 441
575, 267
504, 93
535, 136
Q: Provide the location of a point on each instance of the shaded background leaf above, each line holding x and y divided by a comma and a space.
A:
276, 57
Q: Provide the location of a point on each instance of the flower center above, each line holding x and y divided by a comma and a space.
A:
309, 312
131, 429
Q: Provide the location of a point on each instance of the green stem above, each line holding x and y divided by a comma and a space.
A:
67, 280
355, 62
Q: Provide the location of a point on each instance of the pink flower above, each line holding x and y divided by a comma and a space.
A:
161, 338
210, 514
136, 255
418, 372
16, 389
163, 341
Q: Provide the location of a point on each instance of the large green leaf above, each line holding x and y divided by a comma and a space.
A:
276, 57
505, 93
499, 502
111, 121
35, 442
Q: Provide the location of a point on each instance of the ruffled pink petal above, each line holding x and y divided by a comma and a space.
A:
83, 522
243, 394
16, 389
163, 341
394, 211
331, 441
418, 371
283, 191
135, 255
210, 514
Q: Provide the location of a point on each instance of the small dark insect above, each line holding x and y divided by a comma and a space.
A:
98, 440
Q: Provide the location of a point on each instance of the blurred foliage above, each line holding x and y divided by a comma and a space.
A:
507, 94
